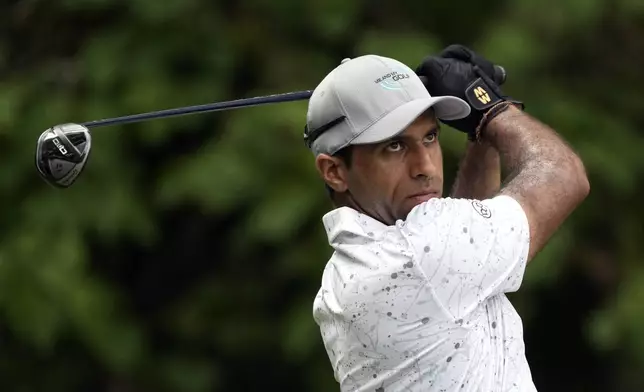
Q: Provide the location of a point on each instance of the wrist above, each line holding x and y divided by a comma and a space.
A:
491, 129
492, 116
478, 145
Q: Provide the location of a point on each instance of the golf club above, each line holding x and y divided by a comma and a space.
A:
62, 151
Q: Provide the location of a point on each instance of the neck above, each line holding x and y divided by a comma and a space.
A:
346, 199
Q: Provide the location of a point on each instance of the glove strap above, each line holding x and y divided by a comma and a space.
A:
484, 95
488, 116
481, 96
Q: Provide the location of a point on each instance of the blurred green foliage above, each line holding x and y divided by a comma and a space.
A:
188, 254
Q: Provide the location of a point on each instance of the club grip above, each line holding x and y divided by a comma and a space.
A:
499, 74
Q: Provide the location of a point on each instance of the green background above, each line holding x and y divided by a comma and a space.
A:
188, 254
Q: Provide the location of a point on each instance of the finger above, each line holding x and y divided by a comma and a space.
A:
436, 68
463, 53
486, 66
458, 52
431, 67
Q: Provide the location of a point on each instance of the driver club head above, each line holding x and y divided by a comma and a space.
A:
61, 153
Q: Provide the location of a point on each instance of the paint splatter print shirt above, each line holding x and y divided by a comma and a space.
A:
421, 305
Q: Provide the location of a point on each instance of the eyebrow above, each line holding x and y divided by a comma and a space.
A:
401, 137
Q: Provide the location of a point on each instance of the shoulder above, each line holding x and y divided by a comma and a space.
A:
476, 248
458, 223
488, 210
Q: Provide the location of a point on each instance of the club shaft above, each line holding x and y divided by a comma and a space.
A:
210, 107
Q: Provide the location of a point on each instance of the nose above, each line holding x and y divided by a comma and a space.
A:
422, 163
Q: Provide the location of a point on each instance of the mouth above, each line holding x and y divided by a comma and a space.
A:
422, 197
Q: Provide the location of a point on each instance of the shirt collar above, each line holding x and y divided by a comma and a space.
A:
345, 225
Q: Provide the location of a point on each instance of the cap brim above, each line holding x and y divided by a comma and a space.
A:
446, 108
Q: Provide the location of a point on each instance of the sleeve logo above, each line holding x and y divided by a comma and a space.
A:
481, 209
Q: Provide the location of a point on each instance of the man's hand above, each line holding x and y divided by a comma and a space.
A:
460, 72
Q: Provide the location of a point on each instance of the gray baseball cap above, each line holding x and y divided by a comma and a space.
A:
370, 99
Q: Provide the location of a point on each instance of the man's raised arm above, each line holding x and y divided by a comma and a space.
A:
545, 175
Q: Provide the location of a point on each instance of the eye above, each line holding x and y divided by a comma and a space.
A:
431, 138
394, 146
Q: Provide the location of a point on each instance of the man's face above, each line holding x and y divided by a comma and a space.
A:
386, 180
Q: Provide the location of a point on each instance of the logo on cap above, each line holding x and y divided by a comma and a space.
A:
482, 95
391, 81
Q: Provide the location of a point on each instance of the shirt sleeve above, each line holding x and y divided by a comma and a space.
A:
469, 250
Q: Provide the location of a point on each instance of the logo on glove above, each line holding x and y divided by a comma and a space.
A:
482, 95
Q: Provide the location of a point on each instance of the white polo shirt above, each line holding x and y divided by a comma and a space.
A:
420, 305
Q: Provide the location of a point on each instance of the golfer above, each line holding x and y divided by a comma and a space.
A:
413, 296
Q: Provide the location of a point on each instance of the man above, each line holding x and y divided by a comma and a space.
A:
413, 297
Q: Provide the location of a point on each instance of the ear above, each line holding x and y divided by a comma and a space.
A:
333, 171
